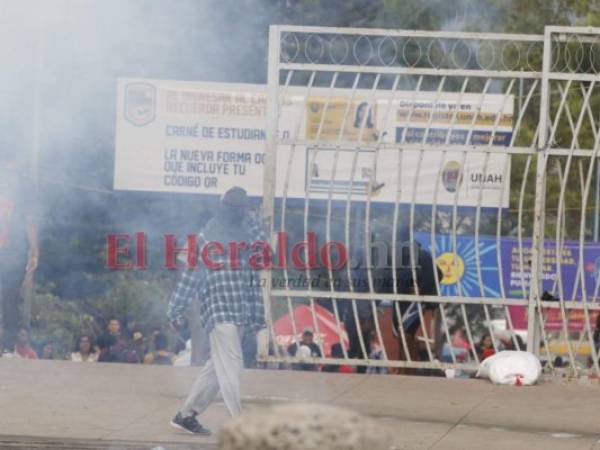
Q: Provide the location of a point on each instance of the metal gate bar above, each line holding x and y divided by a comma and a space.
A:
319, 77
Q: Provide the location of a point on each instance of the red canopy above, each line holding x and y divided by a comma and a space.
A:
326, 330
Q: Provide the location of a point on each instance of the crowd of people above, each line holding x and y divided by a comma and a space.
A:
114, 345
131, 346
457, 349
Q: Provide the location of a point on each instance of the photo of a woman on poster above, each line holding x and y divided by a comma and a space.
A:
359, 118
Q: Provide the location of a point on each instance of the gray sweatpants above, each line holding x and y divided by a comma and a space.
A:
222, 371
199, 337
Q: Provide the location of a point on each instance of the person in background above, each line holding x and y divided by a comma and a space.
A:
509, 344
305, 349
121, 346
485, 349
125, 350
22, 347
338, 353
46, 350
458, 345
140, 347
559, 362
106, 352
19, 250
161, 354
152, 332
129, 326
113, 327
375, 353
84, 351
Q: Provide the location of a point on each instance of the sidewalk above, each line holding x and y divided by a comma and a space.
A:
48, 404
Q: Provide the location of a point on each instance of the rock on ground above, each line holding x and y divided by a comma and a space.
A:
303, 427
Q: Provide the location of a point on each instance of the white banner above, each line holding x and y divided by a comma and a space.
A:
175, 136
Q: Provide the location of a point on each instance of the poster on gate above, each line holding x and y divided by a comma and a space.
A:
368, 147
566, 278
471, 273
575, 319
196, 137
463, 266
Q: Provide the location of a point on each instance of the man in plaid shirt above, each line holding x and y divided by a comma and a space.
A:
230, 304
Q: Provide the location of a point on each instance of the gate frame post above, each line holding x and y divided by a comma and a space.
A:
537, 246
270, 164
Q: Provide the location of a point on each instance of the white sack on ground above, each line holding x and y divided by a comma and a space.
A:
511, 367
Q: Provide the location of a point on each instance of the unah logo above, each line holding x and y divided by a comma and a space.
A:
140, 103
452, 176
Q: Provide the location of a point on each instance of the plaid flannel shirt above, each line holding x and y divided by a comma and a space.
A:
225, 295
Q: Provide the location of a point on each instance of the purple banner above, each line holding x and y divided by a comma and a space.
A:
516, 268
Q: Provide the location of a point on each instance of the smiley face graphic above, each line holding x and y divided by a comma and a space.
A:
452, 266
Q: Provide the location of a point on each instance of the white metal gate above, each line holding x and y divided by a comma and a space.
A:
404, 152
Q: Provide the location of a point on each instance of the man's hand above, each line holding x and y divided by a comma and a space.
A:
32, 262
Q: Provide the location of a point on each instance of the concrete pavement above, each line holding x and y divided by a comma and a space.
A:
54, 404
